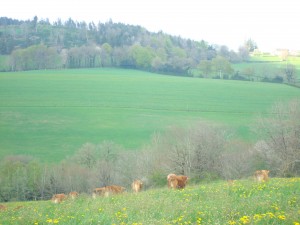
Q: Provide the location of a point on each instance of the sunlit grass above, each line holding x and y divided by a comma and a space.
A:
245, 202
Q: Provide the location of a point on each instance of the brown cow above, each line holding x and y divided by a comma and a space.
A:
176, 181
230, 182
98, 191
57, 198
73, 194
137, 185
170, 177
261, 175
108, 190
3, 207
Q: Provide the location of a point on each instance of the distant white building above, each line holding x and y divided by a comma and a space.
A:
295, 52
281, 51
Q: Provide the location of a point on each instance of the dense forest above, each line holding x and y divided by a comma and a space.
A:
39, 44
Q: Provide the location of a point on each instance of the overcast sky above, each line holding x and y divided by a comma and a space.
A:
271, 24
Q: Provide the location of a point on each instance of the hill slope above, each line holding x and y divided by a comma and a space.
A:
50, 114
246, 202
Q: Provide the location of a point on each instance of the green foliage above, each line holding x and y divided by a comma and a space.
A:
245, 202
221, 66
35, 57
250, 45
50, 114
4, 63
142, 56
158, 178
20, 178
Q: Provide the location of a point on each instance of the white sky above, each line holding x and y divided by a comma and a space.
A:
270, 23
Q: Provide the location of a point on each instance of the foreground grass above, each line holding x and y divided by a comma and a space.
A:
246, 202
51, 114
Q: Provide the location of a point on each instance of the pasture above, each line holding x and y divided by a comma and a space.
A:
245, 202
268, 66
51, 114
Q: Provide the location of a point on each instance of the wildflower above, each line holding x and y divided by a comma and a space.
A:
231, 222
281, 217
199, 220
257, 217
245, 219
296, 223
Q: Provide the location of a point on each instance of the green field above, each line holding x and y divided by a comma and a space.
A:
268, 65
51, 114
276, 202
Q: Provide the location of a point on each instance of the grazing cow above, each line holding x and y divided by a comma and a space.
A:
73, 194
170, 177
176, 181
98, 191
108, 190
137, 185
57, 198
261, 175
3, 207
230, 182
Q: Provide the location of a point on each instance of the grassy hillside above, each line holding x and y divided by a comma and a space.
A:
50, 114
275, 202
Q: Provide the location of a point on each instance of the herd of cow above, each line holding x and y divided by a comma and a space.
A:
174, 182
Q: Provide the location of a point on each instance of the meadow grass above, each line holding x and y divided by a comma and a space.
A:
245, 202
50, 114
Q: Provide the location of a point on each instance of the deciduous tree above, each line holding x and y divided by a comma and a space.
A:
280, 133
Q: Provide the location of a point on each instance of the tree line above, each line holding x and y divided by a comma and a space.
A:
39, 44
202, 151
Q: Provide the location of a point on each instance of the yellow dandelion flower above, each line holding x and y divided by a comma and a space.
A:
245, 219
281, 217
231, 222
296, 223
199, 220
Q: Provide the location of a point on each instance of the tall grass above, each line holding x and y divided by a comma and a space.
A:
50, 114
245, 202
